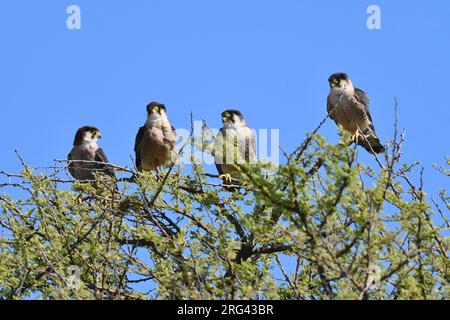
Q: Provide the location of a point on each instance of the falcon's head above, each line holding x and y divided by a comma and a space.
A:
87, 134
339, 80
233, 117
156, 110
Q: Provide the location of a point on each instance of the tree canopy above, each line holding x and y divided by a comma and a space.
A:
321, 225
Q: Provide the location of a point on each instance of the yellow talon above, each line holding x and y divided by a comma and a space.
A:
226, 177
356, 136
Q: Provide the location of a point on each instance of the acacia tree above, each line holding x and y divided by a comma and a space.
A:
323, 226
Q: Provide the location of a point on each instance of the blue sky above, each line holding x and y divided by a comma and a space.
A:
269, 59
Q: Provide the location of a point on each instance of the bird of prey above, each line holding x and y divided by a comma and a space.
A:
155, 140
235, 144
85, 148
349, 107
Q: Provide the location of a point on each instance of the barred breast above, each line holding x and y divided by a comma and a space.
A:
156, 148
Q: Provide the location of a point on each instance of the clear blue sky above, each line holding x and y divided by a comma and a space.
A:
270, 59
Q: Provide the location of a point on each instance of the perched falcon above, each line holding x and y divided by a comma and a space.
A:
155, 140
349, 107
85, 148
235, 144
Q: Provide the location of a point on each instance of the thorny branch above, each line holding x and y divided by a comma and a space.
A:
199, 236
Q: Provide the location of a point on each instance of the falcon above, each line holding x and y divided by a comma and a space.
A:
349, 107
85, 148
155, 140
235, 144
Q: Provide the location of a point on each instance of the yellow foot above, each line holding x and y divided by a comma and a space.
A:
356, 136
226, 177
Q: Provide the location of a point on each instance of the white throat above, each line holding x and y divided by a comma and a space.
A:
155, 120
90, 143
345, 88
238, 123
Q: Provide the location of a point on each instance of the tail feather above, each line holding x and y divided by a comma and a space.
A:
372, 144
